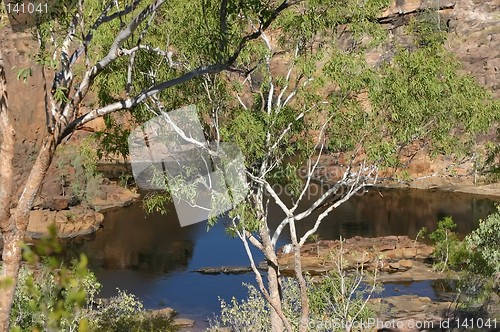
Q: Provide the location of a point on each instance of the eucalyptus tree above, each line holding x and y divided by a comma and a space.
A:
277, 106
296, 92
106, 48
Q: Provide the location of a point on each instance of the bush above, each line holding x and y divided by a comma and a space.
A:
43, 303
449, 251
124, 312
250, 314
77, 169
477, 257
253, 313
484, 245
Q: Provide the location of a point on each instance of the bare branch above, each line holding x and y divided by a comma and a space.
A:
142, 96
103, 18
355, 187
271, 191
112, 55
223, 26
288, 75
311, 169
132, 56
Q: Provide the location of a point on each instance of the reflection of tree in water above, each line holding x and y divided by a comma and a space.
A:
158, 244
405, 212
445, 289
381, 212
159, 262
128, 240
172, 256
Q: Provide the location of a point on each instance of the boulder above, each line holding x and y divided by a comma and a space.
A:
113, 196
183, 322
163, 312
56, 203
69, 223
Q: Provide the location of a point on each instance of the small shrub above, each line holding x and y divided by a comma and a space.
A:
478, 258
53, 300
77, 167
251, 314
449, 252
40, 304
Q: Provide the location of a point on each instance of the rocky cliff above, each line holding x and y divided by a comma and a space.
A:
473, 28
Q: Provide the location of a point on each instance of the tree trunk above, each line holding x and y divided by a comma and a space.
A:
11, 263
304, 313
279, 322
14, 229
7, 229
274, 292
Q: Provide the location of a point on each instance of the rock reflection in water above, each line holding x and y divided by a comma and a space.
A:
382, 212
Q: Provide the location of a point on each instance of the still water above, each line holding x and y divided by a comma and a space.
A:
152, 256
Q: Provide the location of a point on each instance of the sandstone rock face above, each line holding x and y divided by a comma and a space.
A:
473, 33
113, 196
74, 221
475, 39
410, 312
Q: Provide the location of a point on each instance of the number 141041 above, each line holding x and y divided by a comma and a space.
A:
477, 323
16, 8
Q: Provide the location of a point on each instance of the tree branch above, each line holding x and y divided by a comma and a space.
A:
132, 102
112, 55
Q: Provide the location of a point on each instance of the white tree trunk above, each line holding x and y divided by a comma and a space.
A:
274, 293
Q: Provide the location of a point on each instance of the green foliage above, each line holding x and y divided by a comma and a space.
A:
156, 202
479, 252
113, 140
333, 295
23, 73
77, 169
248, 217
251, 314
483, 244
479, 278
5, 281
50, 296
313, 238
118, 312
248, 130
422, 95
449, 252
320, 18
491, 165
4, 20
476, 259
